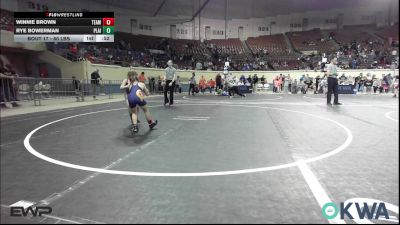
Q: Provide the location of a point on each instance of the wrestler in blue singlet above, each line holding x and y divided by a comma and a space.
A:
136, 96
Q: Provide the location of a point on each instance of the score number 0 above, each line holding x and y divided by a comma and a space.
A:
108, 21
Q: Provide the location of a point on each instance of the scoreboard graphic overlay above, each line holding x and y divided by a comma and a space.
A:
64, 26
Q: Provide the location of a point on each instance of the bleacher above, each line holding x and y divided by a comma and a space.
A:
149, 51
232, 48
273, 44
273, 49
389, 32
344, 37
183, 51
187, 47
312, 40
229, 46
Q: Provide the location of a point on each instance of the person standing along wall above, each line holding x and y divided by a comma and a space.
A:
78, 89
192, 84
152, 85
289, 81
255, 83
178, 85
142, 78
159, 84
375, 84
368, 83
95, 77
286, 86
211, 85
7, 91
218, 81
395, 86
317, 81
202, 84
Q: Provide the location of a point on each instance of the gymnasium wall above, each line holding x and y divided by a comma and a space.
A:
63, 67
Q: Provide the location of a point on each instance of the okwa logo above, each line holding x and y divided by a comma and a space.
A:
360, 210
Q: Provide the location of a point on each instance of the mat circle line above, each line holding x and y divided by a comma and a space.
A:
335, 151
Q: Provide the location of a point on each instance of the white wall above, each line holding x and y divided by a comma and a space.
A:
186, 27
213, 23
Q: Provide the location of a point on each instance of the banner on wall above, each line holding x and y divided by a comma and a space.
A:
345, 89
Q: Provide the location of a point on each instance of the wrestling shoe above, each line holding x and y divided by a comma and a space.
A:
153, 124
134, 129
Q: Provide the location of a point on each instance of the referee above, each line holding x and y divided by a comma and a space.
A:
332, 83
170, 77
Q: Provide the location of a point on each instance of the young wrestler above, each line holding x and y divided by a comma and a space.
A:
137, 92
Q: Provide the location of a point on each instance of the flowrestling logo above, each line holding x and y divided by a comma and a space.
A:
361, 210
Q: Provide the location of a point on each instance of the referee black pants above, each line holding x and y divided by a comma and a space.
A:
169, 89
332, 88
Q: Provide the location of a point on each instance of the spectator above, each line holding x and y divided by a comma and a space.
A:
375, 84
382, 85
368, 84
142, 78
152, 85
262, 80
218, 81
385, 84
78, 89
95, 80
290, 81
342, 79
294, 87
159, 84
73, 49
286, 86
308, 83
317, 81
202, 84
302, 78
395, 86
255, 82
249, 80
199, 66
192, 84
178, 85
211, 85
7, 90
323, 84
242, 79
277, 85
362, 84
